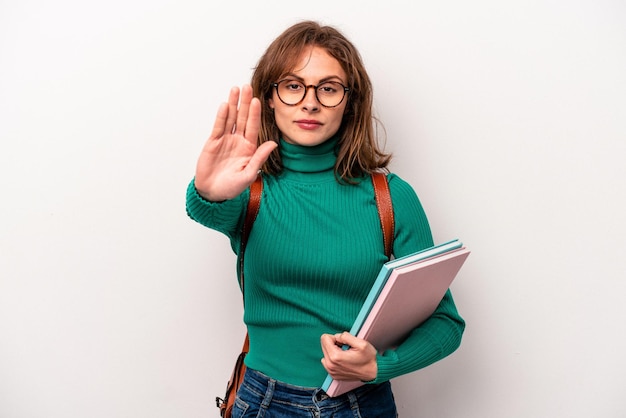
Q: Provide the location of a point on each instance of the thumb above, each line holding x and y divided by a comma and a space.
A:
345, 338
261, 155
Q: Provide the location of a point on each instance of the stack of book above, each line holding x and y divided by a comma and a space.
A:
406, 292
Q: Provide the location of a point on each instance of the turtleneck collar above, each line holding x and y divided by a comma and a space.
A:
308, 160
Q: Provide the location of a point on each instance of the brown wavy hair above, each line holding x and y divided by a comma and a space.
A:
359, 152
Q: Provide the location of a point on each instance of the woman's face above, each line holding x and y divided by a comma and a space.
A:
309, 123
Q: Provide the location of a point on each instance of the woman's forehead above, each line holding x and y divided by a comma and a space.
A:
316, 62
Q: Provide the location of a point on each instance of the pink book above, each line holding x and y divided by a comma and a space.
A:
410, 295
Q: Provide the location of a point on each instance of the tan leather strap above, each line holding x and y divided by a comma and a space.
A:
254, 202
385, 209
256, 189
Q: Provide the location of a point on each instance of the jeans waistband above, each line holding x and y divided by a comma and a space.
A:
259, 383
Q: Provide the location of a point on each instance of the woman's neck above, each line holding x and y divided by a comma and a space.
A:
298, 159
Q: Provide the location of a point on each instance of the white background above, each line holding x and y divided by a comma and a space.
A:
508, 118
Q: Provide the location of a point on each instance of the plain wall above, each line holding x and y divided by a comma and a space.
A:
508, 118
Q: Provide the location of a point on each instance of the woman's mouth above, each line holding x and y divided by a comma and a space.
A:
308, 124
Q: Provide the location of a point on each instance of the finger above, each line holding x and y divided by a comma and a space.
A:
253, 124
329, 349
345, 338
255, 163
259, 157
324, 344
233, 101
328, 343
244, 108
219, 126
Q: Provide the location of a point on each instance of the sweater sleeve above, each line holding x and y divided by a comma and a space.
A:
438, 336
225, 217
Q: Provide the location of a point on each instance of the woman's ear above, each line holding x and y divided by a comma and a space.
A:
270, 103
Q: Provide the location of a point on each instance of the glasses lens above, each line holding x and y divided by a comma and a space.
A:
292, 92
330, 94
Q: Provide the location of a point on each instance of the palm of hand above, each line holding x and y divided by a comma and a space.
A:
230, 159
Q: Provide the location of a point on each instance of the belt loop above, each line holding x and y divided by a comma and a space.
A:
354, 404
269, 393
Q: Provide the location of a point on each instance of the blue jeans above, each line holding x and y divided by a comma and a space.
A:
260, 396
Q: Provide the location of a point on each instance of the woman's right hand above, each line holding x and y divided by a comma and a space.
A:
230, 159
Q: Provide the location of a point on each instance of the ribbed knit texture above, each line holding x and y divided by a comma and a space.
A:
313, 253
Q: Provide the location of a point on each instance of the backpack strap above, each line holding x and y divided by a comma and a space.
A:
226, 404
256, 189
385, 210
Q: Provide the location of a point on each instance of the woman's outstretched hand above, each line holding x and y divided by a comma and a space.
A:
230, 159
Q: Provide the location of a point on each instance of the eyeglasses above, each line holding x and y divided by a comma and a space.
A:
292, 92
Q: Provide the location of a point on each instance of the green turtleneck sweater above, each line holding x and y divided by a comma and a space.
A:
314, 251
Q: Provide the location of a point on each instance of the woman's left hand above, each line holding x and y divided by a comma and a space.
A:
358, 362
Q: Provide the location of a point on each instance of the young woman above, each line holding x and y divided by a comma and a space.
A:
316, 247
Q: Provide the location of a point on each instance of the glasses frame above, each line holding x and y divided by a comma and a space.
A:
306, 90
